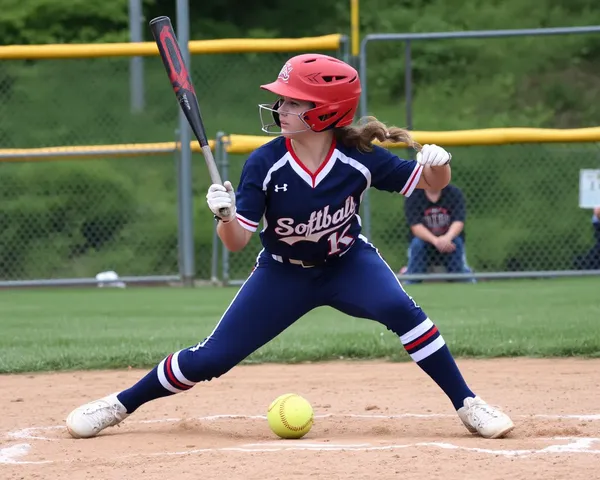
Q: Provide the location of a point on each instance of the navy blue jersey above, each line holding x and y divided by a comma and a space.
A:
309, 216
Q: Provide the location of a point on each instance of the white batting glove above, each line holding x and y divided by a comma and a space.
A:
433, 155
221, 196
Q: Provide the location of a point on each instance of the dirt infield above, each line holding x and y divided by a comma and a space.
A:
373, 420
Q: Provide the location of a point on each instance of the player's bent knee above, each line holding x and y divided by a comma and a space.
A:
399, 316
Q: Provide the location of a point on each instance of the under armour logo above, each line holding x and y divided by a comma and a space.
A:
284, 188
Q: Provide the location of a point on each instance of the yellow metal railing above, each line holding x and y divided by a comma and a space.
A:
489, 136
91, 151
246, 143
332, 42
235, 143
228, 45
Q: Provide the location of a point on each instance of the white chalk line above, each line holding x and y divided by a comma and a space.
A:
575, 445
29, 432
9, 455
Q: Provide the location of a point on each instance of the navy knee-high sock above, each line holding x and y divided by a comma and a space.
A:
163, 380
427, 348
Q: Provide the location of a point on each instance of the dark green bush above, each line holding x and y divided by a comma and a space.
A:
53, 213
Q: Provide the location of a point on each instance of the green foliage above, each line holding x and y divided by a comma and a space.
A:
62, 21
457, 84
526, 81
65, 207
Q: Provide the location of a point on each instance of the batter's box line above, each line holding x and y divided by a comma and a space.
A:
576, 445
30, 433
10, 454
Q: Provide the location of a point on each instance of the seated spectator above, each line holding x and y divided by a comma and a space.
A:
437, 237
591, 259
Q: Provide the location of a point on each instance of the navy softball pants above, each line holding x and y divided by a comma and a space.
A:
277, 294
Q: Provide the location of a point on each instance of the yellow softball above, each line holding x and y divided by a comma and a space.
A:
290, 416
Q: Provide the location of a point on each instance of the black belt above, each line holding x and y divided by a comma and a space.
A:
313, 263
301, 263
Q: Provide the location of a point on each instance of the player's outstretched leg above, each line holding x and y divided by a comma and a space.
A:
363, 285
272, 299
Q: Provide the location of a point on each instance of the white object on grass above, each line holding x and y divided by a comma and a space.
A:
109, 279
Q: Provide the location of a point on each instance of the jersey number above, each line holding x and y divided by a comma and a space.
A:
335, 239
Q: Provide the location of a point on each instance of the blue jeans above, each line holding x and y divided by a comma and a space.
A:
422, 253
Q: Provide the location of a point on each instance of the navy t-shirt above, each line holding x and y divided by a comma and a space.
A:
436, 217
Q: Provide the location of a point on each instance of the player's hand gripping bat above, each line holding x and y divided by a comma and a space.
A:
170, 52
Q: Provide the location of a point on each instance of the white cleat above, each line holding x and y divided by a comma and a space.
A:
483, 419
90, 419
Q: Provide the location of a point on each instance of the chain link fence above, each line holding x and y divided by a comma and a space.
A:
523, 210
71, 219
65, 102
74, 219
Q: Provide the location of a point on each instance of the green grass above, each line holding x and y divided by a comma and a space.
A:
44, 330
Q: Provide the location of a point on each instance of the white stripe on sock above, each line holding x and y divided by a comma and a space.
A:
428, 349
177, 371
416, 332
163, 380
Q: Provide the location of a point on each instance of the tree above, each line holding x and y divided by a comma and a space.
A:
63, 21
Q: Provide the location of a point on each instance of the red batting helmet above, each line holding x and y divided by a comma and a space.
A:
331, 84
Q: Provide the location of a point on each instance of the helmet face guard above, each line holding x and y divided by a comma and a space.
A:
330, 84
269, 119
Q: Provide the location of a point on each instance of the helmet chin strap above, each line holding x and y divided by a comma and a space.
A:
269, 127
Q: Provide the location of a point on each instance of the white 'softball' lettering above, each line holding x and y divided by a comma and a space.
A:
320, 223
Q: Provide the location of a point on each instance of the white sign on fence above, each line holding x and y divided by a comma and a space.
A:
589, 188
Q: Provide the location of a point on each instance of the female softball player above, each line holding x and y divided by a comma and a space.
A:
307, 185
